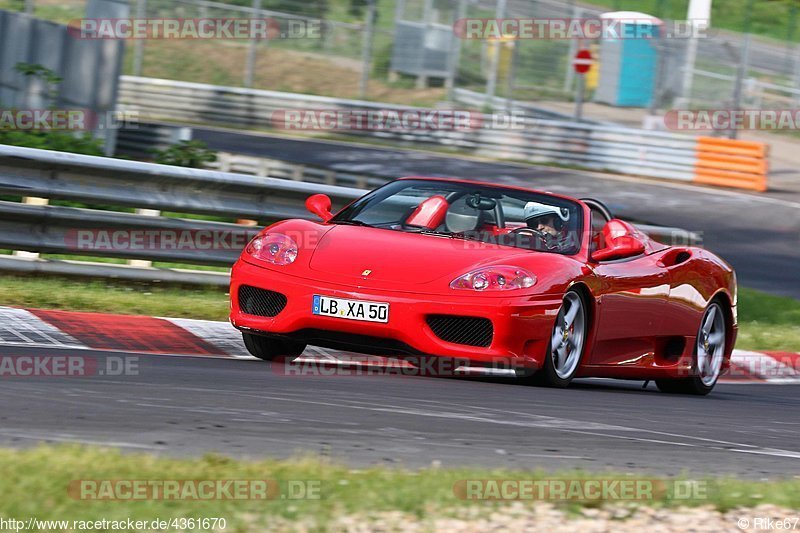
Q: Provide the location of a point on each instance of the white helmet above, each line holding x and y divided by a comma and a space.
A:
536, 209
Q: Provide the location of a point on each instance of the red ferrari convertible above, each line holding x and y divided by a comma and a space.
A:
547, 285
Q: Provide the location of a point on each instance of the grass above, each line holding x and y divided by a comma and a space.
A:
766, 322
128, 298
35, 483
310, 71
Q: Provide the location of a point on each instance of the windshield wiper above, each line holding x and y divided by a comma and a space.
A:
452, 235
352, 223
465, 236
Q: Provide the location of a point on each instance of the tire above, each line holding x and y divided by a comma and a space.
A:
567, 342
268, 348
709, 353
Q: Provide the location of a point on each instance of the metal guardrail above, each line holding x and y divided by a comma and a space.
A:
498, 103
141, 140
27, 172
100, 181
601, 147
258, 166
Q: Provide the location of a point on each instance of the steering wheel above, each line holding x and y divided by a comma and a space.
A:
545, 238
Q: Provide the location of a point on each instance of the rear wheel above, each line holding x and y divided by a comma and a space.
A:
268, 348
567, 343
709, 354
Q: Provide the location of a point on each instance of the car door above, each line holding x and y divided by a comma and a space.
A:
690, 287
631, 305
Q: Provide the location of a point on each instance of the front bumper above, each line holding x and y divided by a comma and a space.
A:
522, 324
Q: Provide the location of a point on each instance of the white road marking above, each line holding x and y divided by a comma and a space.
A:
72, 438
552, 423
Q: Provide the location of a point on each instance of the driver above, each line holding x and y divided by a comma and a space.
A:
549, 222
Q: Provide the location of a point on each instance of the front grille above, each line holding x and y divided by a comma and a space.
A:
260, 302
352, 342
471, 331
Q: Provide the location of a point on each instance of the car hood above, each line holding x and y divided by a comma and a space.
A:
346, 252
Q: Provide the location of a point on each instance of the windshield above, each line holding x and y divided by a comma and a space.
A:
495, 215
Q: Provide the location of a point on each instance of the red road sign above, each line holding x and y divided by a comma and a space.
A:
583, 61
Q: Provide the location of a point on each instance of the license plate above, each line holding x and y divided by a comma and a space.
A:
350, 309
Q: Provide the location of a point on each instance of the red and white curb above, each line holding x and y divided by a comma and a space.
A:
205, 338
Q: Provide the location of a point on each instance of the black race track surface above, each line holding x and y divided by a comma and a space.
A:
188, 406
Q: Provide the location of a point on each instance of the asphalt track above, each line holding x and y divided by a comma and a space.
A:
758, 234
182, 406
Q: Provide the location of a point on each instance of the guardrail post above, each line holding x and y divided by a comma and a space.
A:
141, 263
263, 167
224, 161
297, 172
31, 200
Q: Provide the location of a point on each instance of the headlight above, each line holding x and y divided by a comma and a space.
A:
495, 278
276, 248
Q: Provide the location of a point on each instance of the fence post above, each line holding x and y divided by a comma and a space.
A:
796, 77
138, 47
512, 75
250, 66
455, 52
491, 82
366, 50
741, 72
569, 79
422, 77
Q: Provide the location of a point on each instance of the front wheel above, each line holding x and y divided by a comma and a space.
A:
709, 353
268, 348
567, 343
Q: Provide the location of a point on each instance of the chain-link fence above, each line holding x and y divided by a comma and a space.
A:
406, 51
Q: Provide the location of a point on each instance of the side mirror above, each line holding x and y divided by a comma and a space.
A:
320, 205
621, 247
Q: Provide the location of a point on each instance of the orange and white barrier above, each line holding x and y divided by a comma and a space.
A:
731, 163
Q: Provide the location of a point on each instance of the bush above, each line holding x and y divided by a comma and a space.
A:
61, 141
186, 154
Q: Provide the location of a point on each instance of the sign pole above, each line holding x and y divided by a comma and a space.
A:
581, 63
579, 97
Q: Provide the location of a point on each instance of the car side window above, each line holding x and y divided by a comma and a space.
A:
598, 223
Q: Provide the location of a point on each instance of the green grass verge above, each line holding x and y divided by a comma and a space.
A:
766, 322
151, 299
36, 483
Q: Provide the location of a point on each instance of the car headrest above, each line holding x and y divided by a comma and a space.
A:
430, 213
461, 217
